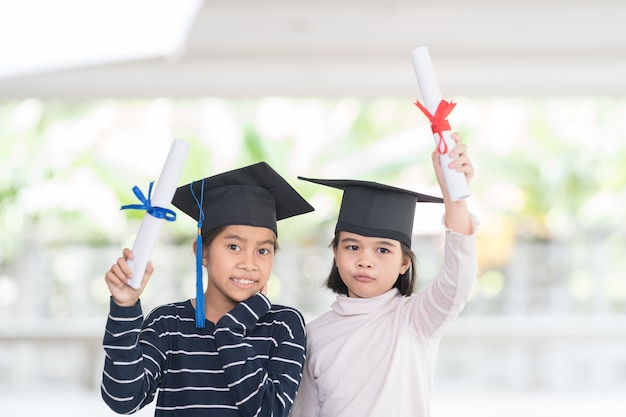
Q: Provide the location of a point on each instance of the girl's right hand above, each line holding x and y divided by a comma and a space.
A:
117, 278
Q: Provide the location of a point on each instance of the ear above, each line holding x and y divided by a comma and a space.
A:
406, 264
204, 251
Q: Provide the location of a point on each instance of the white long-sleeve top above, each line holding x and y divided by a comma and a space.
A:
375, 357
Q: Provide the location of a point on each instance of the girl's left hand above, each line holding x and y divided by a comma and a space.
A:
461, 162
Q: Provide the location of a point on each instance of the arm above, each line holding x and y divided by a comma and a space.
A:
457, 215
445, 296
133, 360
259, 390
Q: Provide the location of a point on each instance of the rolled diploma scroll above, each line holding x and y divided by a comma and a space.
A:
162, 197
431, 96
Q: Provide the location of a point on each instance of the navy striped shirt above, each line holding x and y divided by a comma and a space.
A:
249, 363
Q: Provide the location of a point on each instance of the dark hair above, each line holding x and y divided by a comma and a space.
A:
405, 282
208, 236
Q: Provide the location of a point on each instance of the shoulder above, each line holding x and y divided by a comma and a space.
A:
322, 321
177, 311
170, 308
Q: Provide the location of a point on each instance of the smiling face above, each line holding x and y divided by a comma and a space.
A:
239, 263
369, 266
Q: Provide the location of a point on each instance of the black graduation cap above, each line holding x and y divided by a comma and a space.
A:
376, 210
254, 195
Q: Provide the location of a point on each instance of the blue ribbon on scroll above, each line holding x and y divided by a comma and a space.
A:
158, 212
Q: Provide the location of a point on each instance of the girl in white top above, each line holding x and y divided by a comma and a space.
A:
374, 352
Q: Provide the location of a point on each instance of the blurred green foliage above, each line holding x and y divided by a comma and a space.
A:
552, 168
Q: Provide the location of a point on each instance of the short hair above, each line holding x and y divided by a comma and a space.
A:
405, 282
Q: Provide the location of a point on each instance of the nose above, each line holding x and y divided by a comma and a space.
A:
365, 261
246, 262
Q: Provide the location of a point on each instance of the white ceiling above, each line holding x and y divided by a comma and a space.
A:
332, 48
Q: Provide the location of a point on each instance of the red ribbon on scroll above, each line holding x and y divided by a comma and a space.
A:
438, 121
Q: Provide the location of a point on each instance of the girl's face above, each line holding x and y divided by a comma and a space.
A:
239, 263
369, 266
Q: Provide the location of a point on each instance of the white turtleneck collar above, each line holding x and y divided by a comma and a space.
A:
349, 306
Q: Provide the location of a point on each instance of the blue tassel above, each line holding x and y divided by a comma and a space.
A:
200, 319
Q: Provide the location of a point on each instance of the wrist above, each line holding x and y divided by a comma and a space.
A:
125, 303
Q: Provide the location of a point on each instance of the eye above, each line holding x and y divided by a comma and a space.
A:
352, 247
234, 247
265, 251
383, 250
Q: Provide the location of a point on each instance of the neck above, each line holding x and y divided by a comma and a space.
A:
216, 305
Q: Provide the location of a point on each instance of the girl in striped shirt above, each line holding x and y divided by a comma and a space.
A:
229, 351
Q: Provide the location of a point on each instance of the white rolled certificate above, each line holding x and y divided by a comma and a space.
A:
431, 95
163, 195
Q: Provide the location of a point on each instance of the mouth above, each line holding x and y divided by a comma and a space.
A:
363, 278
243, 283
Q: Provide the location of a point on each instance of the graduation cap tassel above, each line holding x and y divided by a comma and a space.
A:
200, 317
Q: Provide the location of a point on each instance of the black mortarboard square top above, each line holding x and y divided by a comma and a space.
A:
376, 210
254, 195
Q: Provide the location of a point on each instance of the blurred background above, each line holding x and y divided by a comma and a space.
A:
92, 95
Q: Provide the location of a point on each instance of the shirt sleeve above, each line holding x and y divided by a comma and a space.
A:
133, 360
445, 296
261, 390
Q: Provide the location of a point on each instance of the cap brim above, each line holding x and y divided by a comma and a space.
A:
342, 184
